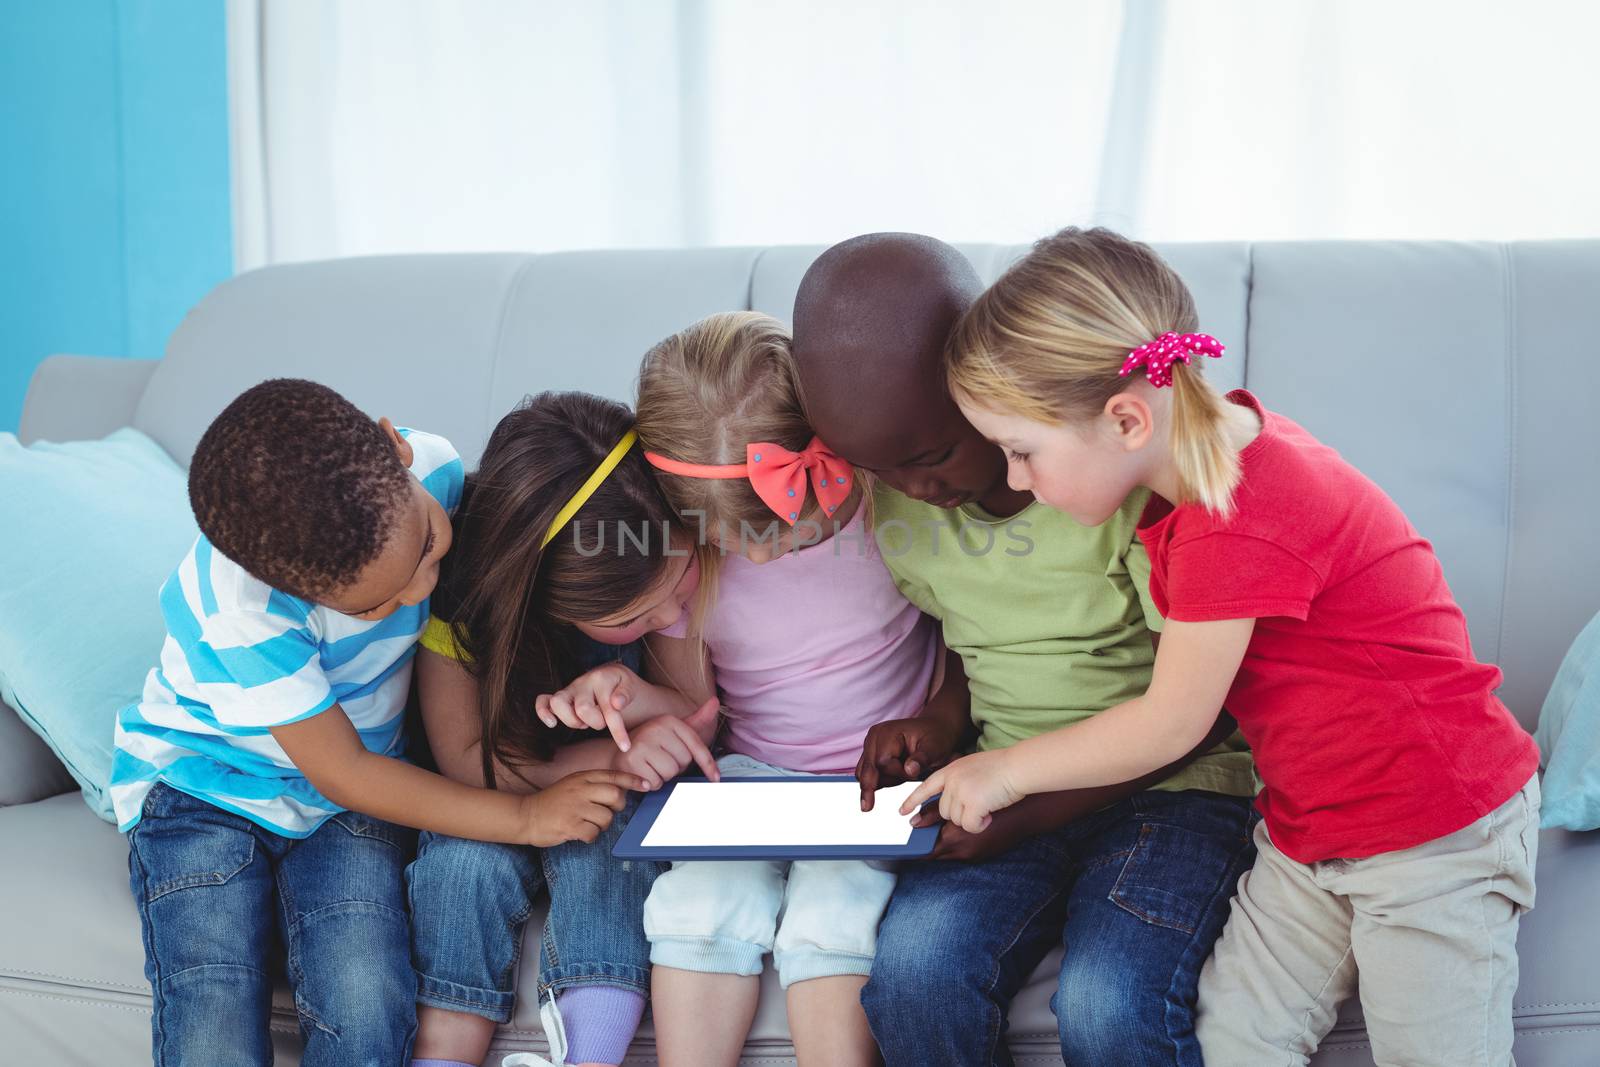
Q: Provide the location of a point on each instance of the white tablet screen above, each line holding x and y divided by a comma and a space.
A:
800, 812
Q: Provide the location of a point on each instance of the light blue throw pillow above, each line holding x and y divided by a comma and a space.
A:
88, 533
1569, 737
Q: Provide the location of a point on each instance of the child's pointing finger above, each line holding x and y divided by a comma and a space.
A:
619, 729
700, 752
922, 793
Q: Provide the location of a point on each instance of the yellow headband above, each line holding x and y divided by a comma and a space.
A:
586, 491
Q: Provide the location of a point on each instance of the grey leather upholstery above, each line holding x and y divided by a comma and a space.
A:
1459, 376
94, 395
29, 771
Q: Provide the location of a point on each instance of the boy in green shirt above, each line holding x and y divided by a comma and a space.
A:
1050, 622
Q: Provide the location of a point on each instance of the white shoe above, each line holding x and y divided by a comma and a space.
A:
555, 1033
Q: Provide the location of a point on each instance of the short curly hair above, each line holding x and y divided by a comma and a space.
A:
298, 486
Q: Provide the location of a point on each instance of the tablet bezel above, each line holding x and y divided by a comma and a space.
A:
630, 846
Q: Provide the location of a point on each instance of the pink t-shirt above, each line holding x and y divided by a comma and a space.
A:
813, 649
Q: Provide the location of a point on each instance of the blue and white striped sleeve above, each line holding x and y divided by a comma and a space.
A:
437, 465
257, 670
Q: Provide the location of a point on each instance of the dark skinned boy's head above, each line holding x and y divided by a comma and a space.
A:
308, 494
870, 324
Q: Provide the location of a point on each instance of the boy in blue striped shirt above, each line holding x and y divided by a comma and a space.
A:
261, 779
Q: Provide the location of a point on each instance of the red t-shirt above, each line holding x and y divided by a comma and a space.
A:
1374, 728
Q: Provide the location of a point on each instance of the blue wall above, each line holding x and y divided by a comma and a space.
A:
114, 186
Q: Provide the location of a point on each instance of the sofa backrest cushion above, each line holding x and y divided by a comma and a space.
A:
1458, 376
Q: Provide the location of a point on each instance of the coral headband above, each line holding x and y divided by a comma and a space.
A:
778, 475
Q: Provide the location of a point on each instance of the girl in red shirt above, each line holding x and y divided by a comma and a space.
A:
1399, 802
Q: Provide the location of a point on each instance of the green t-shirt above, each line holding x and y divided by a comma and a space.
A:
1051, 619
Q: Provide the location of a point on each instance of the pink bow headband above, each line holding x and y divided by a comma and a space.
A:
778, 475
1158, 356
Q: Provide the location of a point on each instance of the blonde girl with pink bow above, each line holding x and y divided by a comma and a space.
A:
804, 639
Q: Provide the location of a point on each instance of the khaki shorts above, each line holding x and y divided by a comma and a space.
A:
1432, 931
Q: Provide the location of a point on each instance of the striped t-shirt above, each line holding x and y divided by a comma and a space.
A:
241, 657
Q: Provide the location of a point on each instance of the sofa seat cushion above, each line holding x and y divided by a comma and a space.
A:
71, 957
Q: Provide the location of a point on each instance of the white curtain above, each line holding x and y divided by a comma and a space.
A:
367, 126
1375, 118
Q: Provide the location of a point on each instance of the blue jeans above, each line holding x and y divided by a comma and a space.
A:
470, 901
1137, 893
220, 897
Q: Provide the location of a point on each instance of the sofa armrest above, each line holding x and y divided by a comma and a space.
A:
29, 771
81, 398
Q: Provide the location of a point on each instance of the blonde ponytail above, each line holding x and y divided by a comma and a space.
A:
1208, 464
1048, 339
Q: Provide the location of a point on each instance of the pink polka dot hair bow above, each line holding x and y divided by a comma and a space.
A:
778, 475
1158, 356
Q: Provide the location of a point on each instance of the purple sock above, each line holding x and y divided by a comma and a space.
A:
441, 1063
600, 1021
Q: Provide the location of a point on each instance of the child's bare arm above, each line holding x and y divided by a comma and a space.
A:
1043, 812
451, 719
1195, 668
682, 666
329, 752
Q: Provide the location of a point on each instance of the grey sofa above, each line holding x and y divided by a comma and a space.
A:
1460, 376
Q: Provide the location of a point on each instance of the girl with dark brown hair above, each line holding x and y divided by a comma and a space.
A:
566, 554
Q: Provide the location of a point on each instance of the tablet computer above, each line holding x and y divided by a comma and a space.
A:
772, 818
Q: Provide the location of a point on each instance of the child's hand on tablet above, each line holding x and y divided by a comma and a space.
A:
902, 750
663, 747
970, 790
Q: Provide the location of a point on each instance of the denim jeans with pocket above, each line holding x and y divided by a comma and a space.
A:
221, 900
1137, 892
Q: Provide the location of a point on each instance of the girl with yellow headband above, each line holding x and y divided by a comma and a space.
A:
536, 591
